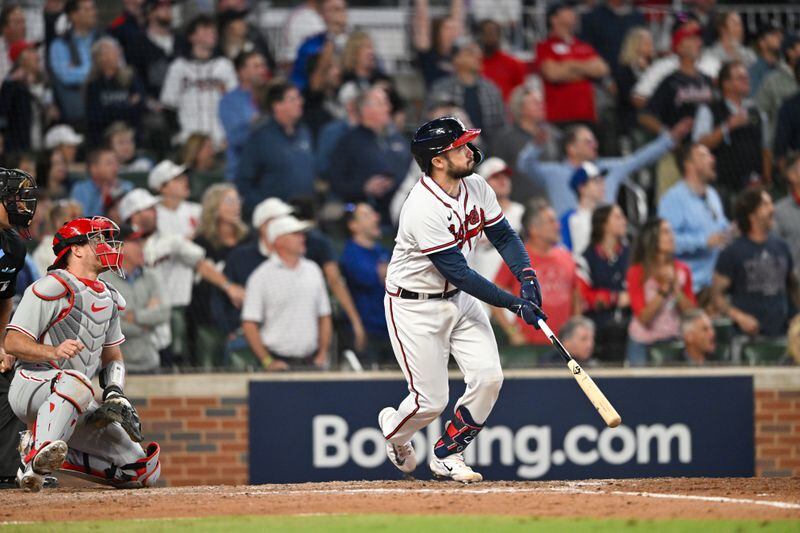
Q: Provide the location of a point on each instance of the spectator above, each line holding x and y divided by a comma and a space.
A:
120, 137
197, 154
787, 128
52, 175
372, 158
236, 36
321, 103
128, 29
486, 260
736, 130
756, 270
580, 146
359, 63
302, 22
334, 14
787, 210
176, 215
145, 309
468, 89
503, 69
729, 47
60, 213
434, 41
71, 61
588, 184
660, 289
158, 49
194, 85
64, 139
568, 66
97, 192
112, 91
332, 132
527, 125
606, 26
287, 315
175, 261
221, 230
635, 58
237, 110
699, 337
601, 279
286, 170
577, 335
768, 47
363, 264
26, 101
557, 274
695, 213
12, 31
779, 84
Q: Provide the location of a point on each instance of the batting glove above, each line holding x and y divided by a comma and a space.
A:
529, 311
529, 287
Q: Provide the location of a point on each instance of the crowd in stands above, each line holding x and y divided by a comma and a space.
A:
653, 177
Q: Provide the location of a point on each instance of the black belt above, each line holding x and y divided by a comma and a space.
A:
411, 295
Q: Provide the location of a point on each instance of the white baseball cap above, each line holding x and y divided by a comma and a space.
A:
269, 209
135, 201
492, 166
162, 173
284, 226
61, 134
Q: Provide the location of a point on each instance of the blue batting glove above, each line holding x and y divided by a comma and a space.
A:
529, 311
530, 289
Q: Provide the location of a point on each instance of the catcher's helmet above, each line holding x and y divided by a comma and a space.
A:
102, 232
17, 192
440, 135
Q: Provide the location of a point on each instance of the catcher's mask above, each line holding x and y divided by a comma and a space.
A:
100, 232
18, 194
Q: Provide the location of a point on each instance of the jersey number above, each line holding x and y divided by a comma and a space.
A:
4, 285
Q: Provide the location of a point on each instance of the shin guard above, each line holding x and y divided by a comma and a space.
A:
142, 473
458, 433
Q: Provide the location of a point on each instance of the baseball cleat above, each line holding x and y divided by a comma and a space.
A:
401, 455
50, 457
453, 467
28, 480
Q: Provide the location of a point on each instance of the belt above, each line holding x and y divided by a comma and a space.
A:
410, 295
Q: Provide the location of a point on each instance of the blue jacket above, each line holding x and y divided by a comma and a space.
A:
274, 164
86, 193
236, 112
693, 219
240, 263
329, 136
311, 47
70, 73
360, 269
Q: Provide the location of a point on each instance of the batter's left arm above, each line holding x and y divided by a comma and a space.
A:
507, 242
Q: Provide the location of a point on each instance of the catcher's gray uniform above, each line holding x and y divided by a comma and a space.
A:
57, 397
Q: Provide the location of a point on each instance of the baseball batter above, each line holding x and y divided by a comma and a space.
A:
65, 331
432, 306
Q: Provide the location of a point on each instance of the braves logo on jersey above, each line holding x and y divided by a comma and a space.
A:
464, 234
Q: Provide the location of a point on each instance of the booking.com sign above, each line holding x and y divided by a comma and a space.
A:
540, 429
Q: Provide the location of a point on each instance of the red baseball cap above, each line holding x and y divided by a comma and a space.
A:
18, 47
684, 31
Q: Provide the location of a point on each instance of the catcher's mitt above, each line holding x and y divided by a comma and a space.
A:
117, 408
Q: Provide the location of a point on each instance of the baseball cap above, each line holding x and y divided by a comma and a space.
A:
688, 28
284, 226
18, 47
162, 173
492, 166
61, 134
269, 209
584, 173
135, 201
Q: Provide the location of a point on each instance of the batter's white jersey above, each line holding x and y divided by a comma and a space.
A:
432, 221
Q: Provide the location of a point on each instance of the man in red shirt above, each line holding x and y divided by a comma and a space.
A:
555, 268
505, 70
568, 66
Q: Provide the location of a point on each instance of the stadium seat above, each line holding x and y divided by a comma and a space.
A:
665, 353
764, 351
723, 328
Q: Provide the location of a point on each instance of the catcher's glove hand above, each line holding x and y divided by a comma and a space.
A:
117, 408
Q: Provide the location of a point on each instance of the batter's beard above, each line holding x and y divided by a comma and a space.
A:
461, 173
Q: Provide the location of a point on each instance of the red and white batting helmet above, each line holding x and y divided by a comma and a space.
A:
101, 232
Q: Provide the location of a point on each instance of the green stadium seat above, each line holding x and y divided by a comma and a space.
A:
665, 353
723, 327
764, 351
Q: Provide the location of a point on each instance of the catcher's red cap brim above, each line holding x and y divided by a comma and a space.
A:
466, 137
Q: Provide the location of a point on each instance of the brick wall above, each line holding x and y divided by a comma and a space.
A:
777, 432
203, 440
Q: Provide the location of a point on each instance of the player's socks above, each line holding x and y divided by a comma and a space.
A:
458, 433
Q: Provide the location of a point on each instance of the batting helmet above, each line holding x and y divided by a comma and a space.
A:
101, 232
17, 192
440, 135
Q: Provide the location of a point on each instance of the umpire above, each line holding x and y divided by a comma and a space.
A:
17, 196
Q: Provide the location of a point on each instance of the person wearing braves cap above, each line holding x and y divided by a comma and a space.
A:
66, 331
433, 297
19, 205
576, 224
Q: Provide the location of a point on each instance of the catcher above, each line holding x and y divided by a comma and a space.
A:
66, 330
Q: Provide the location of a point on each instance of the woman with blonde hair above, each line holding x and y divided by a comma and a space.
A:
221, 229
636, 55
113, 92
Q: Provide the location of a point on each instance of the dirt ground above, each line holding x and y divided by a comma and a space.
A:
704, 498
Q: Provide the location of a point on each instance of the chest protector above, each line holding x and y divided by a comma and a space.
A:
86, 315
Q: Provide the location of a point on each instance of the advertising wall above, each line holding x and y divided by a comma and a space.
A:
543, 428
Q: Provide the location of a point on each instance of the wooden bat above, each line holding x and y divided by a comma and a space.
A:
595, 395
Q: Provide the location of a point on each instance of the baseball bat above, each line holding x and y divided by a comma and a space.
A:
590, 388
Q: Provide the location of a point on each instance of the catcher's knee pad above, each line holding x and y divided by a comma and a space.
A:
458, 434
74, 388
